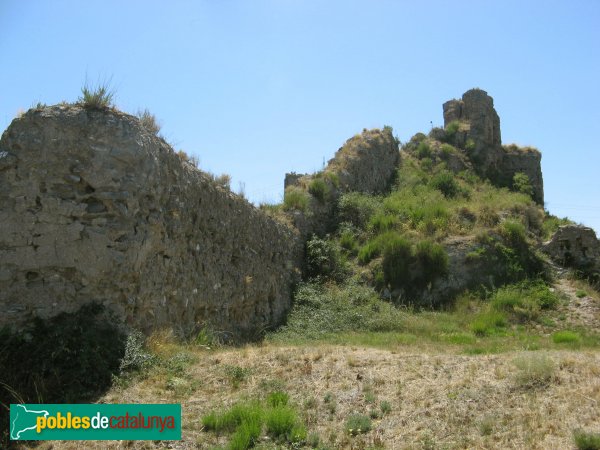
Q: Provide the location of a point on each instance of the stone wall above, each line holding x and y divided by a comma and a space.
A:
479, 135
574, 246
94, 208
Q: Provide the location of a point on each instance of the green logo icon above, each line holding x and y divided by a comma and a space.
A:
95, 422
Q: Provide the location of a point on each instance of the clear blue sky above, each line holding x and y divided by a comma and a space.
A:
259, 88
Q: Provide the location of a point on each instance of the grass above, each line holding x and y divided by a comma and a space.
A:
295, 198
586, 440
534, 370
357, 424
148, 121
566, 337
246, 420
97, 97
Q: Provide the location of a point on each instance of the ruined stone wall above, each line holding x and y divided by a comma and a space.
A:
93, 208
479, 135
367, 163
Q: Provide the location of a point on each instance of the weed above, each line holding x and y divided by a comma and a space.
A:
135, 357
148, 121
278, 398
236, 374
357, 424
452, 128
586, 441
98, 97
566, 337
581, 294
319, 189
445, 183
534, 370
386, 407
313, 440
295, 198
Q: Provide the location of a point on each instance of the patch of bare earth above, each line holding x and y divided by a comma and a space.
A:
437, 400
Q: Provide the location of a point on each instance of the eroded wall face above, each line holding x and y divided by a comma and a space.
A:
93, 208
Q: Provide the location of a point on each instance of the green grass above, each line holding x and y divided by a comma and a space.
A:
358, 424
585, 440
566, 337
97, 97
245, 421
295, 198
580, 293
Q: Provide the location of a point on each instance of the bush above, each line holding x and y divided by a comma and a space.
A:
100, 97
488, 322
382, 222
357, 208
445, 183
357, 424
433, 261
397, 256
586, 440
148, 121
452, 128
223, 180
319, 189
447, 150
348, 240
522, 184
280, 421
322, 258
278, 398
423, 150
374, 247
295, 198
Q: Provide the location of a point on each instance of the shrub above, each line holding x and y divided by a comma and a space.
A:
348, 240
423, 150
534, 370
488, 323
295, 198
322, 258
224, 180
522, 184
236, 374
374, 247
586, 440
357, 424
319, 189
397, 255
382, 222
135, 357
433, 260
452, 128
385, 407
99, 97
357, 208
447, 150
445, 183
148, 121
566, 337
278, 398
280, 421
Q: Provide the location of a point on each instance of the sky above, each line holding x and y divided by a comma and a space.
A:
258, 88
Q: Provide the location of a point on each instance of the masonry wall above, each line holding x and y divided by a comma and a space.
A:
94, 208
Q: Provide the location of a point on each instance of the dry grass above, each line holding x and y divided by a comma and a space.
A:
436, 400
